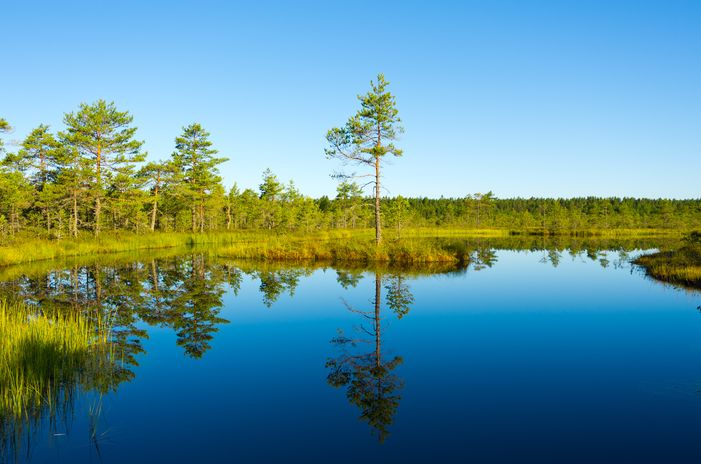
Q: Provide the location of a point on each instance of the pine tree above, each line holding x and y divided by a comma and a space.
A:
232, 206
348, 200
368, 137
40, 159
271, 195
195, 162
4, 127
74, 179
103, 135
156, 176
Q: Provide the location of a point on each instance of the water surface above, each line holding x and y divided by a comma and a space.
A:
522, 356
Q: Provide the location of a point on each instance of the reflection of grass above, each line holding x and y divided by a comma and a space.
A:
43, 358
681, 266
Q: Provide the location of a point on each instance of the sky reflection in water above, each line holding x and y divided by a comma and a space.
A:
522, 357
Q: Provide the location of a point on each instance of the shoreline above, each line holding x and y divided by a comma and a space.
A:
337, 245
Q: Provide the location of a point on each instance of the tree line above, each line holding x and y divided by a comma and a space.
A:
93, 176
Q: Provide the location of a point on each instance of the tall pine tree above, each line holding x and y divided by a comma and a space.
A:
103, 135
194, 159
40, 159
368, 137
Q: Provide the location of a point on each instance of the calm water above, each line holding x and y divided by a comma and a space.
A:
524, 356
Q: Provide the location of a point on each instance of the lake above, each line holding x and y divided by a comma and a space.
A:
524, 355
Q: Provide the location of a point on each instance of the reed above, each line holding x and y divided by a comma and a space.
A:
44, 358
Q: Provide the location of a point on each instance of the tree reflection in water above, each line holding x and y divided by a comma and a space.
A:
184, 293
362, 367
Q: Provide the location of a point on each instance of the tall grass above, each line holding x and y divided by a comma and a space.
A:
43, 359
32, 250
357, 250
353, 244
679, 266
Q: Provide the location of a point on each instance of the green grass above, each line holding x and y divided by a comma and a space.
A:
43, 360
32, 250
680, 266
355, 249
330, 245
419, 246
39, 354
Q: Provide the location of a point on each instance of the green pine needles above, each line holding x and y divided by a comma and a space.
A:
367, 138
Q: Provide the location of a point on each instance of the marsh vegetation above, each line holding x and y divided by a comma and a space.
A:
47, 358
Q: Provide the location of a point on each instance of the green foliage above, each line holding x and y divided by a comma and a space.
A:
367, 137
45, 356
196, 167
4, 127
40, 158
102, 139
397, 213
92, 176
15, 196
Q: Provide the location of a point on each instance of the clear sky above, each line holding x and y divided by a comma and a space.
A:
522, 97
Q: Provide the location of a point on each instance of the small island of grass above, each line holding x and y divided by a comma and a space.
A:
680, 266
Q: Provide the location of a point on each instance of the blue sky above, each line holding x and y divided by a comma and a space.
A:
524, 98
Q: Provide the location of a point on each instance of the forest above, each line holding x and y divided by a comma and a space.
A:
92, 177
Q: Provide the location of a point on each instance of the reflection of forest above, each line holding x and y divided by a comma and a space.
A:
361, 365
183, 293
183, 290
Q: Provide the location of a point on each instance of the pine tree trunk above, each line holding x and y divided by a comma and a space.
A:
154, 211
13, 220
75, 214
98, 191
201, 216
378, 226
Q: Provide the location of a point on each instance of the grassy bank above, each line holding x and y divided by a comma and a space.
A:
32, 250
331, 245
681, 266
355, 249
